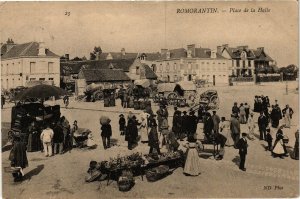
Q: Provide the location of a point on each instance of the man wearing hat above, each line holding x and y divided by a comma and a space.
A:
216, 120
153, 136
235, 109
122, 124
235, 129
185, 122
242, 146
162, 114
192, 124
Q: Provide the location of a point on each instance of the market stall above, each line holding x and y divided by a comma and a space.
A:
137, 164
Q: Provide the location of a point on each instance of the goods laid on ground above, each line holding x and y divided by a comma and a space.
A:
124, 168
126, 181
157, 173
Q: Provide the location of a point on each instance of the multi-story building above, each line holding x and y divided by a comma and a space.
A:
192, 64
21, 63
245, 61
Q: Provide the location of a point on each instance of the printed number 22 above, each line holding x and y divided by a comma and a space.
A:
67, 13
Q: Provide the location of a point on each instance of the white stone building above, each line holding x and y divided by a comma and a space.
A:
192, 64
21, 63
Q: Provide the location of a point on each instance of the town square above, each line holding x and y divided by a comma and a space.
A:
149, 111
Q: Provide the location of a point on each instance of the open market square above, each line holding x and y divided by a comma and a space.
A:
63, 176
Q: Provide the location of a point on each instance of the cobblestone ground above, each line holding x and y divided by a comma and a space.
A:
62, 176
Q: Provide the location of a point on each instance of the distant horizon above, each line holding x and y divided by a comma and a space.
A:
147, 27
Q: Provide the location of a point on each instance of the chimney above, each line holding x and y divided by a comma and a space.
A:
42, 50
191, 48
163, 51
67, 57
213, 54
123, 51
9, 44
219, 49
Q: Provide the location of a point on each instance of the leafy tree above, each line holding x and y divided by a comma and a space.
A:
96, 53
77, 59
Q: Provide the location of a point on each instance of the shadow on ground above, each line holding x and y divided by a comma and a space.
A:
33, 172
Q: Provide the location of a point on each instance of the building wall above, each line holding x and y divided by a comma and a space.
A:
190, 69
16, 72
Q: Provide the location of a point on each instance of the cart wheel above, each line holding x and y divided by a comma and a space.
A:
98, 95
215, 101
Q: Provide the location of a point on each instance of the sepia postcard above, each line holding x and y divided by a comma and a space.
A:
149, 99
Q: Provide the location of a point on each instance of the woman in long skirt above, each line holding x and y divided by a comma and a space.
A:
279, 149
143, 129
192, 163
18, 158
225, 131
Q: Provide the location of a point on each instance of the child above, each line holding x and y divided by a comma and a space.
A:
269, 140
122, 123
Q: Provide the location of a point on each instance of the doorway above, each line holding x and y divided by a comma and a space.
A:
214, 80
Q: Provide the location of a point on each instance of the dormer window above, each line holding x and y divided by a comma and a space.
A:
137, 70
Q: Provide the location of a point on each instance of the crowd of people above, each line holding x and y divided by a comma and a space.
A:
155, 131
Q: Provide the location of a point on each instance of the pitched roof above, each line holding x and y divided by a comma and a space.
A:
261, 55
206, 53
73, 67
152, 56
103, 75
123, 64
26, 49
175, 54
149, 73
235, 53
118, 55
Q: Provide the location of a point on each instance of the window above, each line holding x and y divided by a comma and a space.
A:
238, 63
32, 67
32, 79
197, 66
207, 63
50, 67
249, 63
51, 79
203, 62
175, 66
189, 66
244, 64
167, 67
42, 79
137, 70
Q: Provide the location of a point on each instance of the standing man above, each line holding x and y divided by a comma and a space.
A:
47, 137
66, 100
58, 138
235, 129
242, 114
208, 126
247, 111
185, 122
162, 114
242, 146
193, 122
153, 137
262, 125
235, 109
2, 101
216, 121
106, 134
287, 113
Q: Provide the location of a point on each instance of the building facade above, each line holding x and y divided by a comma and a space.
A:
21, 63
191, 65
244, 61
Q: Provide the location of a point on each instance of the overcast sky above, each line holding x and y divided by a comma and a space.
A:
150, 26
